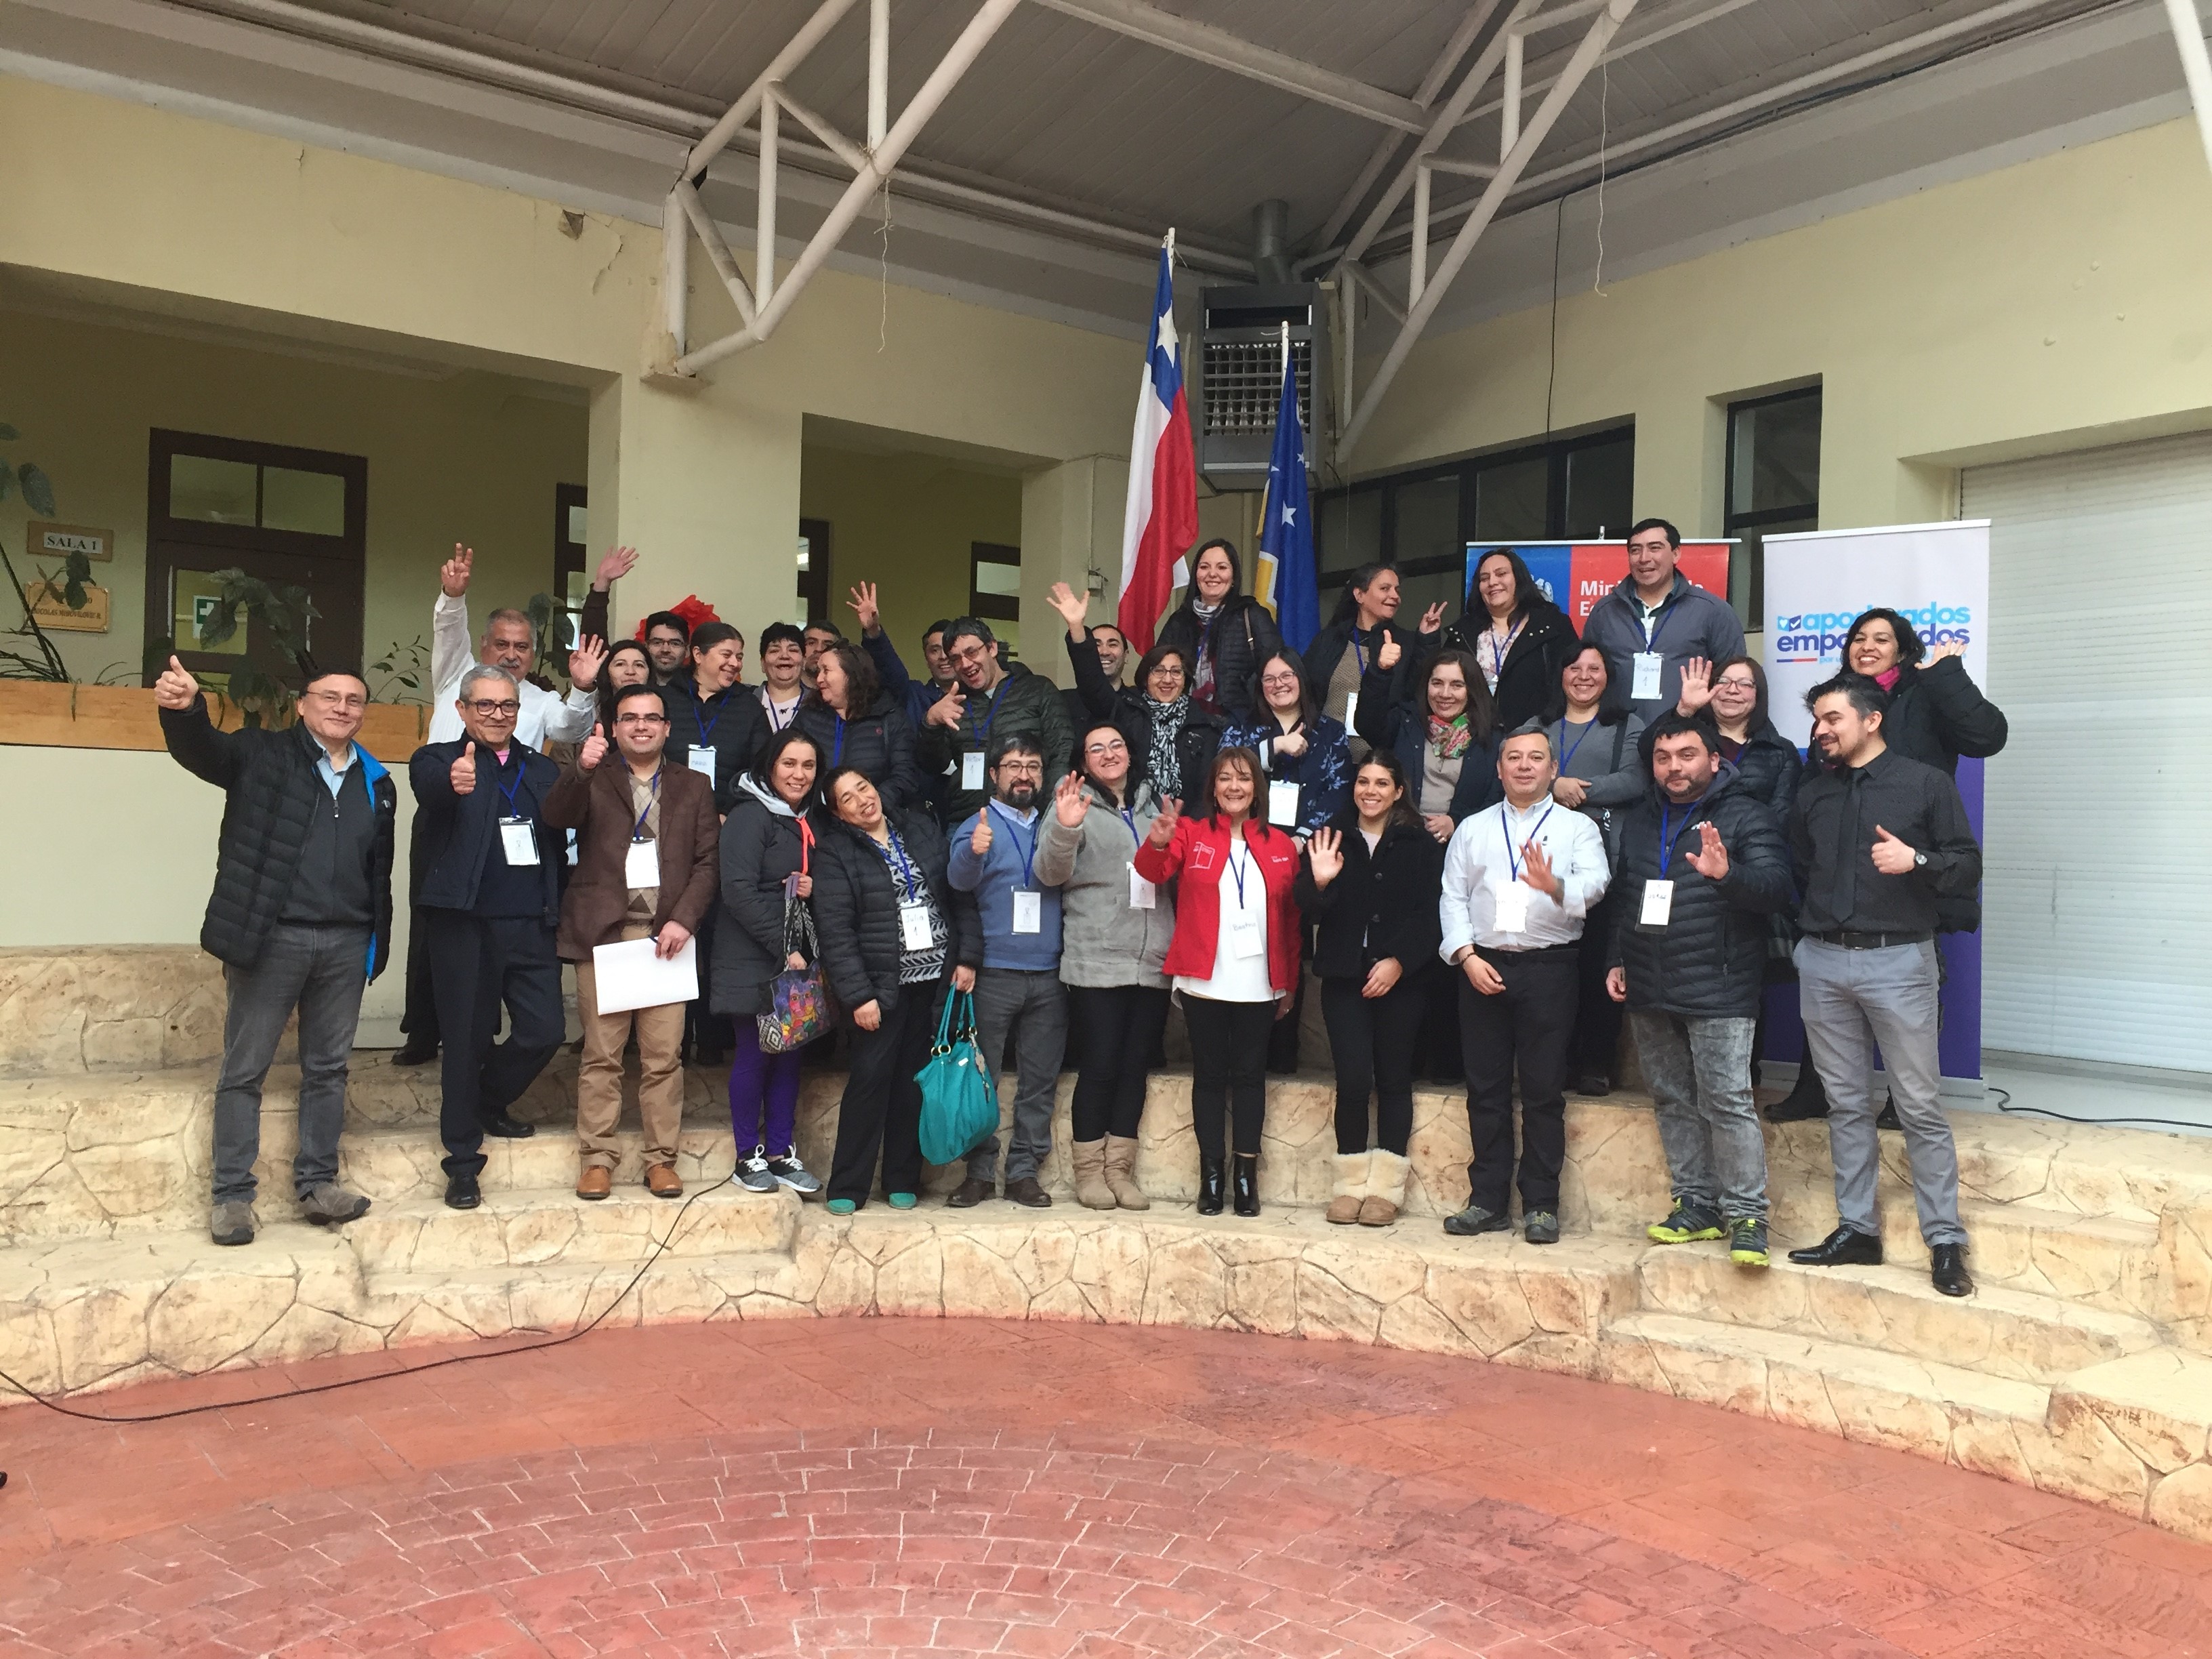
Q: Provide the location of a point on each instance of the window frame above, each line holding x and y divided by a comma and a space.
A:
1742, 528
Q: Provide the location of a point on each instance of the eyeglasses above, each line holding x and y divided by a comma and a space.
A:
347, 700
1101, 750
640, 720
1022, 768
485, 710
1280, 681
1736, 685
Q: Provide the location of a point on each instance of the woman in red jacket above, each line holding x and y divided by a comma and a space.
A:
1233, 957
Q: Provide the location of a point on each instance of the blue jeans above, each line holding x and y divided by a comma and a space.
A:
1700, 1071
321, 971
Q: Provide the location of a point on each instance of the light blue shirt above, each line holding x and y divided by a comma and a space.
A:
333, 779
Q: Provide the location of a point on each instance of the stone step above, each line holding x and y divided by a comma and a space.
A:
539, 1227
105, 1008
556, 1299
1996, 1332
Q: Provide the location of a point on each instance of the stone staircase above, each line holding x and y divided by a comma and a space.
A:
2083, 1365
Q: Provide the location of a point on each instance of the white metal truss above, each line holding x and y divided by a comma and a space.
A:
2196, 66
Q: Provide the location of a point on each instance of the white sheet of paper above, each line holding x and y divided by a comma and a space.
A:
519, 839
971, 769
701, 761
1647, 666
1029, 910
1658, 903
1143, 895
641, 864
913, 926
1351, 710
1246, 937
1513, 907
1282, 804
629, 975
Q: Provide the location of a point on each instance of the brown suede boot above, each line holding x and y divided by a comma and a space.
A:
1352, 1173
1091, 1191
1122, 1173
1386, 1190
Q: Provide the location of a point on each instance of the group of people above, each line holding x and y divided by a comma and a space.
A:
1509, 831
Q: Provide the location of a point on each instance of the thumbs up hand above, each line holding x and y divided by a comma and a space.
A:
1892, 856
979, 842
594, 749
1387, 658
176, 688
463, 774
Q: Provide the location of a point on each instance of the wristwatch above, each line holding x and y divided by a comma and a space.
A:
1919, 860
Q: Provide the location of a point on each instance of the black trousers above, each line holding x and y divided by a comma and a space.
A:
1529, 1026
703, 1028
881, 1111
1283, 1038
1112, 1030
1371, 1039
1437, 1045
477, 964
1597, 1015
419, 1018
1228, 1071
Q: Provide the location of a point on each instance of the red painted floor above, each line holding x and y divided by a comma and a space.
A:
881, 1487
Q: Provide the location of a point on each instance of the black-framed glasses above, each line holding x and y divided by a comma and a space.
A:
640, 720
485, 710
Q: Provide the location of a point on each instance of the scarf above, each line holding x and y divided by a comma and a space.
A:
1449, 738
1201, 675
767, 797
1162, 765
1888, 678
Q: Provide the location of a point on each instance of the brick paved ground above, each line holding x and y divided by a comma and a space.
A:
886, 1488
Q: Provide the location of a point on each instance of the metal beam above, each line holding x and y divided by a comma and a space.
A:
826, 18
822, 128
1649, 37
1365, 278
1225, 50
880, 71
675, 271
931, 94
2196, 67
1586, 55
717, 251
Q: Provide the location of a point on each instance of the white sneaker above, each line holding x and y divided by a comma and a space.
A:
793, 1174
754, 1174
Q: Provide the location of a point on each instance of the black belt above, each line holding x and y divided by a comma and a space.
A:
1487, 951
1856, 941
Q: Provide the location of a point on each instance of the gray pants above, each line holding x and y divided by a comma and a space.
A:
321, 971
1852, 1000
1699, 1074
1031, 1009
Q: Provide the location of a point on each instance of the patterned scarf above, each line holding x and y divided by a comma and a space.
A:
1162, 765
1449, 738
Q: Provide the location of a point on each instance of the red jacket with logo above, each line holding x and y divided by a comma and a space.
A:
1197, 859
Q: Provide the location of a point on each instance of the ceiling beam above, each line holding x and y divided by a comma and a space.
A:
2196, 68
1225, 50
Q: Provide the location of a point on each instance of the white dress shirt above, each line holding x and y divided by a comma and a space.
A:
453, 654
1484, 854
1237, 978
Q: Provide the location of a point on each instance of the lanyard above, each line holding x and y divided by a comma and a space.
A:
1029, 853
1652, 632
637, 829
837, 752
514, 807
767, 702
1358, 657
1505, 823
1499, 652
1666, 841
1130, 818
905, 867
983, 725
1568, 759
1236, 846
706, 727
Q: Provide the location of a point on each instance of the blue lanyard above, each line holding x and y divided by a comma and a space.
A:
983, 725
1130, 818
1505, 823
775, 724
1568, 759
521, 777
706, 727
1666, 841
637, 831
1236, 870
1652, 631
837, 753
1029, 853
1499, 652
905, 867
1358, 657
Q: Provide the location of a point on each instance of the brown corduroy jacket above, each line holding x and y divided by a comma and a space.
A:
596, 805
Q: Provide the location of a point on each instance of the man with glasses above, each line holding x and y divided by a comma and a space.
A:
300, 918
1649, 625
490, 899
988, 702
1020, 1005
648, 852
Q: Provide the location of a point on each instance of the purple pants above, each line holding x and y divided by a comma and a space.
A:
763, 1092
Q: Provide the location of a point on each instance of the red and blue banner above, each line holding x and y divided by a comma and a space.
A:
1575, 576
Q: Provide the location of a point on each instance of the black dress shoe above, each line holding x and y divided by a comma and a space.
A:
969, 1193
1595, 1086
1029, 1193
462, 1192
1209, 1185
1246, 1184
1806, 1099
1888, 1118
509, 1128
1948, 1270
415, 1055
1841, 1249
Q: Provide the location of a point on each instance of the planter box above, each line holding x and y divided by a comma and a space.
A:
43, 715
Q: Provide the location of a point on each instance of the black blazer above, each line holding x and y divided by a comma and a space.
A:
1242, 638
736, 727
1529, 684
455, 832
1382, 903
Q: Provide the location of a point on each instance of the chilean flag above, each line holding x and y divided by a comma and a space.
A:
1161, 520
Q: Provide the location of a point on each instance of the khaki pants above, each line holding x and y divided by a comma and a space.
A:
598, 1079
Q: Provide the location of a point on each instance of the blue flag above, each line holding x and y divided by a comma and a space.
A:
1286, 536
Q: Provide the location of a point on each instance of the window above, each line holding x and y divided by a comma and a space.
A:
994, 590
1773, 486
814, 569
572, 566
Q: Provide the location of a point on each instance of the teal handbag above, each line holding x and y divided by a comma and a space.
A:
959, 1107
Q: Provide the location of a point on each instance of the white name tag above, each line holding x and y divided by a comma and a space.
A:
1513, 908
1143, 895
518, 841
703, 763
1246, 937
913, 926
641, 864
1647, 667
1351, 710
1029, 910
971, 769
1282, 804
1658, 903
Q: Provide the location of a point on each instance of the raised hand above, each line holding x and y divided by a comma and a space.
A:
1536, 870
674, 937
1953, 649
1892, 856
1067, 803
1616, 984
453, 574
947, 711
1387, 658
1164, 826
586, 661
1432, 619
617, 563
1710, 861
862, 604
1697, 685
594, 749
463, 776
1325, 853
979, 843
1073, 607
176, 688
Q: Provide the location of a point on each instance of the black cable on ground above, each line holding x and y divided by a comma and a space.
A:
52, 1401
2008, 1108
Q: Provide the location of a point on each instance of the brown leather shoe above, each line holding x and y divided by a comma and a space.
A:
596, 1182
662, 1181
969, 1193
1028, 1192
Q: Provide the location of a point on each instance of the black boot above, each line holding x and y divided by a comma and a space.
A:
1247, 1180
1807, 1100
1888, 1118
1209, 1185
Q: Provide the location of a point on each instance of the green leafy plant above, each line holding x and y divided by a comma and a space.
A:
41, 660
278, 615
405, 668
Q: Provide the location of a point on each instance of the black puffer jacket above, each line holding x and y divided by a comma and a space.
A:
880, 743
1382, 903
1530, 682
1025, 701
1768, 770
760, 848
856, 909
1131, 710
1936, 713
1242, 638
731, 723
1709, 961
272, 792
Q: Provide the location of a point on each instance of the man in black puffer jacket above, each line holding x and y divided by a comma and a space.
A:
300, 918
1702, 866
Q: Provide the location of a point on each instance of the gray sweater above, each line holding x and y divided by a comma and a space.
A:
1611, 789
1691, 622
1102, 941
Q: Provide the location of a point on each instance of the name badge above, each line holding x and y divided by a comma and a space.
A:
1658, 903
519, 839
641, 864
971, 769
913, 926
1246, 936
1350, 709
701, 761
1029, 910
1647, 666
1282, 804
1513, 908
1143, 895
